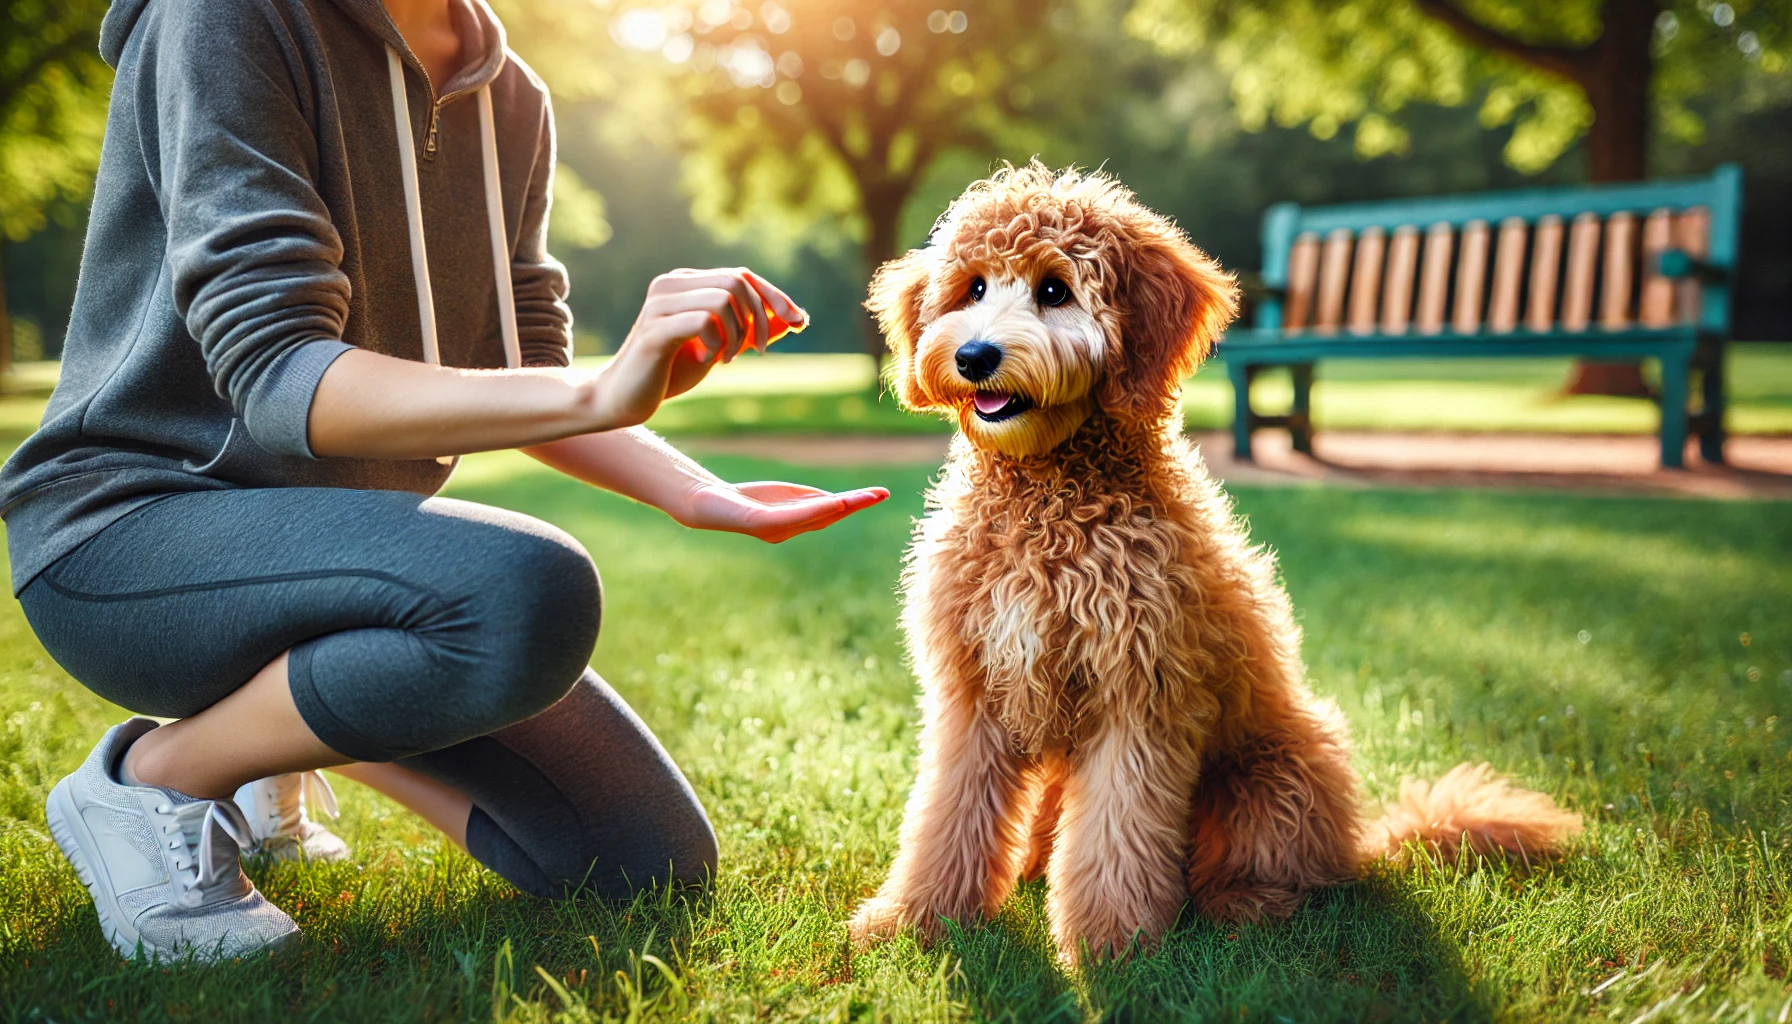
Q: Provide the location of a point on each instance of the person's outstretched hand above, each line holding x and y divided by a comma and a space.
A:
773, 511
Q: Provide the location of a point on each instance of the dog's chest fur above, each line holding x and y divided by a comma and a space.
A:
1063, 582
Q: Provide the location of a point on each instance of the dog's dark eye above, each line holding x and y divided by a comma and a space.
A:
1053, 292
977, 290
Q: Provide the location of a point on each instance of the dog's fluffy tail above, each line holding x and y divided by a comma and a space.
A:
1470, 806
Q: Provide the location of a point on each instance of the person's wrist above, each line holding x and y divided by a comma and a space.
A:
596, 405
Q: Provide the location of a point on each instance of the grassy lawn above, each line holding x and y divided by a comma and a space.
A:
1630, 656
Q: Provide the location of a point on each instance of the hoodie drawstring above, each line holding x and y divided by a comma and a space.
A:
494, 216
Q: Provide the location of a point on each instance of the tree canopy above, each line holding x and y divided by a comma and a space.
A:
810, 117
1554, 69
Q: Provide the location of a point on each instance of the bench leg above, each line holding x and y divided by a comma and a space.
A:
1300, 417
1711, 428
1242, 416
1673, 411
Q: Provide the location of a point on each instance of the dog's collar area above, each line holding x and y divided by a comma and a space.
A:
996, 406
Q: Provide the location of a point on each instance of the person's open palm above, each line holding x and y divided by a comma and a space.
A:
775, 511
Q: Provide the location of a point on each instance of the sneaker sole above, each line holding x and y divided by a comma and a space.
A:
70, 832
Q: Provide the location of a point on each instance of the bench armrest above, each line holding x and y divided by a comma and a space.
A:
1678, 263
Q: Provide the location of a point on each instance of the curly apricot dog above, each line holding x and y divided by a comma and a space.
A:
1113, 692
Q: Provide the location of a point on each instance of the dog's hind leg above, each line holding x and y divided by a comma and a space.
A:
1117, 872
1274, 817
962, 834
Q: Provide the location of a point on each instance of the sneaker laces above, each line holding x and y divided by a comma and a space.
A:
281, 801
199, 837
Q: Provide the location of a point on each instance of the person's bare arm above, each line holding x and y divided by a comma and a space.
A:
638, 464
379, 407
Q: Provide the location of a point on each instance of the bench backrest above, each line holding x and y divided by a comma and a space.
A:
1544, 261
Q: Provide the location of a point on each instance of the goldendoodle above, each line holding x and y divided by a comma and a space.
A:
1113, 688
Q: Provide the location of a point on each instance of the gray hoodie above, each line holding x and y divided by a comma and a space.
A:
249, 225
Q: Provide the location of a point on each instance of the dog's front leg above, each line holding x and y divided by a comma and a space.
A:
961, 836
1118, 870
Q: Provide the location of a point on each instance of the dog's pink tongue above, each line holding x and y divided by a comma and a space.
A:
990, 401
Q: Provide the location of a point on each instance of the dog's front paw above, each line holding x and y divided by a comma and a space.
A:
877, 919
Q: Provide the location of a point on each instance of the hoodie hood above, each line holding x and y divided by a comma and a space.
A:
480, 31
120, 18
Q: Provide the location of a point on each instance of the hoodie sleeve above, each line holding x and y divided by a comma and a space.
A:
253, 254
543, 321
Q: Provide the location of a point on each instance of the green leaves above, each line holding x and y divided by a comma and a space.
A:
53, 89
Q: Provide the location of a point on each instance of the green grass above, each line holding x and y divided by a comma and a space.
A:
1633, 657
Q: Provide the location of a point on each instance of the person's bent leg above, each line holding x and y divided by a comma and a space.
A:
396, 625
580, 798
404, 625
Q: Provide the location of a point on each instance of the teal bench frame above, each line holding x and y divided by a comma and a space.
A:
1679, 349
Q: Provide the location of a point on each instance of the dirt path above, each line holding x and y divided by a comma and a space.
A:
1759, 467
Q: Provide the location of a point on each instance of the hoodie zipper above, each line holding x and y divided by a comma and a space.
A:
429, 140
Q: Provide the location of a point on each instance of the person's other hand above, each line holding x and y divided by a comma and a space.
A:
691, 321
771, 510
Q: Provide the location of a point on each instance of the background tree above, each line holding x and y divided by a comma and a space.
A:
805, 117
1617, 72
53, 90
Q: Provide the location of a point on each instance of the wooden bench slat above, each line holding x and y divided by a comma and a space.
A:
1508, 276
1692, 235
1471, 277
1365, 280
1403, 267
1546, 269
1303, 277
1434, 282
1655, 303
1583, 260
1334, 275
1620, 274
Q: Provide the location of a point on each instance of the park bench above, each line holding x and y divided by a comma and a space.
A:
1606, 272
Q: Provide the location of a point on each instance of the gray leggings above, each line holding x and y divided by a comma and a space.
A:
449, 637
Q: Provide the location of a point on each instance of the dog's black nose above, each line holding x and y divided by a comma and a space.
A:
977, 360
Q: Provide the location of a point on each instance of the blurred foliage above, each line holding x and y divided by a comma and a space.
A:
811, 121
578, 220
1332, 64
53, 89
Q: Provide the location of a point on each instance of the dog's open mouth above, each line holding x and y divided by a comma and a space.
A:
996, 406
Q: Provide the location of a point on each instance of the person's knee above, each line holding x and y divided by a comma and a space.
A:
540, 610
677, 848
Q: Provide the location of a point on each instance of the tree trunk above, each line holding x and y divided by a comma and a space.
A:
1616, 81
883, 209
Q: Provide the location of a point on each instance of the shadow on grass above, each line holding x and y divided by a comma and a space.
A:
1363, 952
457, 947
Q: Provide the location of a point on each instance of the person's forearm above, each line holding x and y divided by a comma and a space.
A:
372, 406
634, 463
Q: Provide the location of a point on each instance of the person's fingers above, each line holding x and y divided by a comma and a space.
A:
814, 513
762, 320
778, 302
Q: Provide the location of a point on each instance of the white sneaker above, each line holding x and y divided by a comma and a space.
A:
162, 868
276, 809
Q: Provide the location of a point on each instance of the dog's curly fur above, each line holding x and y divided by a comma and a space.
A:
1113, 694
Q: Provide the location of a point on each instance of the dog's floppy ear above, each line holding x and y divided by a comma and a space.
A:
897, 290
1175, 300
